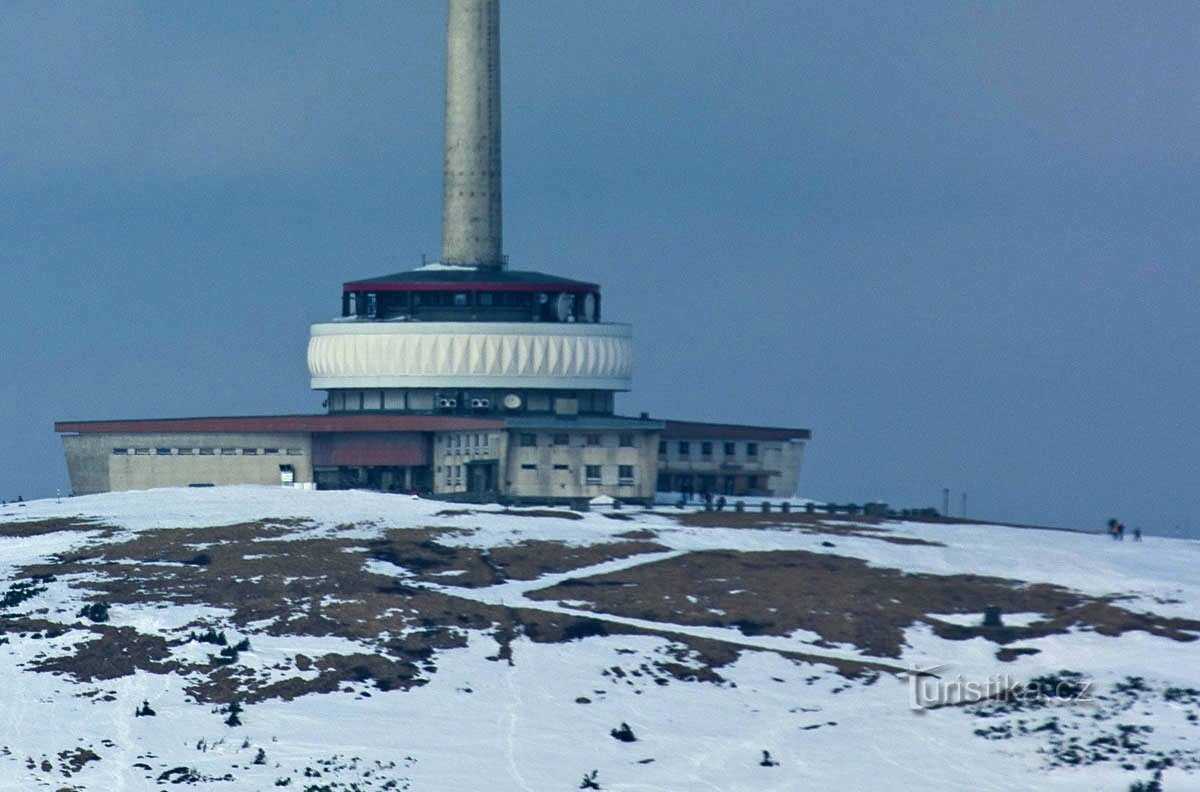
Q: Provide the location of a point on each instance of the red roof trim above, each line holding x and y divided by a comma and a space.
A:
357, 286
687, 430
281, 423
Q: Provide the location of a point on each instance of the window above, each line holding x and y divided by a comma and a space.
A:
120, 451
752, 482
592, 474
593, 439
562, 467
664, 482
662, 447
706, 449
751, 449
528, 466
372, 305
684, 448
625, 441
141, 451
163, 451
250, 452
207, 451
485, 298
730, 449
295, 452
562, 439
625, 474
228, 451
460, 299
270, 450
528, 440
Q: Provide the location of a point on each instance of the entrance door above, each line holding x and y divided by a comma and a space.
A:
482, 476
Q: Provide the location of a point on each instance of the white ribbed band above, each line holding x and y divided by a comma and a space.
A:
470, 355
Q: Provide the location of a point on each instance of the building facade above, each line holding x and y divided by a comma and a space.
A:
461, 379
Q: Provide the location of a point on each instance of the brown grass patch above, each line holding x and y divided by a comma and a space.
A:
844, 600
41, 527
862, 527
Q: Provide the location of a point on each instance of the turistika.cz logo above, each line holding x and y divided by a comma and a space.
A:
927, 689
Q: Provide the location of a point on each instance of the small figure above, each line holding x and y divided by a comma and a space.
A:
721, 503
1120, 532
1137, 534
1112, 529
767, 761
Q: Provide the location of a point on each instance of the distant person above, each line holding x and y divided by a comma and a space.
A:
1120, 532
1137, 534
721, 503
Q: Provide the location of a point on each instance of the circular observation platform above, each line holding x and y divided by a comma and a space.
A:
471, 354
437, 293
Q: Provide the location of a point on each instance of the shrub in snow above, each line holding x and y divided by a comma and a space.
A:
624, 734
767, 761
235, 709
209, 636
260, 758
97, 612
144, 711
589, 781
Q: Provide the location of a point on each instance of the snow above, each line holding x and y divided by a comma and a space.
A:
480, 723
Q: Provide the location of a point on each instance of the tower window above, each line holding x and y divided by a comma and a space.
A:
593, 439
625, 441
730, 449
685, 448
528, 440
562, 439
625, 474
706, 449
592, 474
751, 449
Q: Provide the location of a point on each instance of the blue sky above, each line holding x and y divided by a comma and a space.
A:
956, 240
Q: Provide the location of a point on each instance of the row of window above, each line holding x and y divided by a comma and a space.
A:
465, 443
530, 440
706, 448
592, 474
727, 485
207, 451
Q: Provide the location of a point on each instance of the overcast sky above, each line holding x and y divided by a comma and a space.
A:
958, 241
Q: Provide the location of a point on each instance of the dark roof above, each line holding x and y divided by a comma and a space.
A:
689, 430
469, 279
368, 422
584, 422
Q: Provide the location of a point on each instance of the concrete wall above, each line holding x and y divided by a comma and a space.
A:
560, 471
452, 451
116, 462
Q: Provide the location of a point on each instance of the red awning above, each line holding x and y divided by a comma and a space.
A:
371, 449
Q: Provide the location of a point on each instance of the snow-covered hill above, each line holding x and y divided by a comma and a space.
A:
352, 640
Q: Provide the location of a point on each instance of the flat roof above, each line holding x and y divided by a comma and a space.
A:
696, 430
468, 279
564, 422
372, 422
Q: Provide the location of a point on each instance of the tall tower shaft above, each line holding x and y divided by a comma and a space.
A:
471, 208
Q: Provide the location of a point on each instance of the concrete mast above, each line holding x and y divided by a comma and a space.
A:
471, 213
